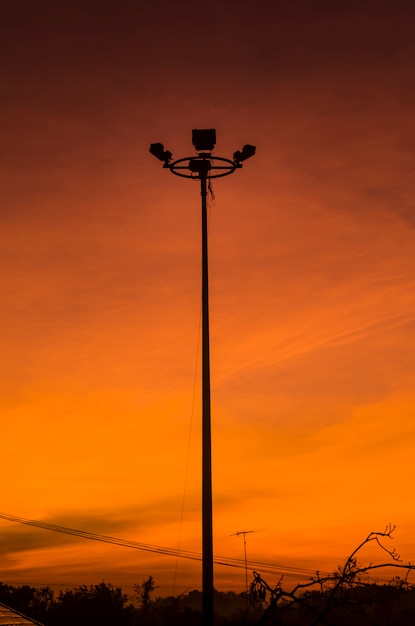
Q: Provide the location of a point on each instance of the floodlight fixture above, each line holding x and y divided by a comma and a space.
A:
247, 152
157, 150
204, 140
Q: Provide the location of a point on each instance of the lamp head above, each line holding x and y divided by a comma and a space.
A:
157, 150
242, 155
204, 139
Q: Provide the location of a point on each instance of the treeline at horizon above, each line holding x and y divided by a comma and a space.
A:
106, 605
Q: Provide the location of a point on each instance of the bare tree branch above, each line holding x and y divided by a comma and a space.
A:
322, 599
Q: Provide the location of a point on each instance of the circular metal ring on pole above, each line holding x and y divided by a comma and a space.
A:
227, 168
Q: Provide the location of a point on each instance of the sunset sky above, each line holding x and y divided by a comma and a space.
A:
312, 283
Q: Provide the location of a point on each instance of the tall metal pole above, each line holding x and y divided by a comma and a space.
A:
200, 167
207, 530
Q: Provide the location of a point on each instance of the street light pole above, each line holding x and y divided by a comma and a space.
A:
207, 521
203, 167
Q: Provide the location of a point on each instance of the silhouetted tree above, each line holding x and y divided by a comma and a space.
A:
35, 603
345, 597
102, 605
143, 592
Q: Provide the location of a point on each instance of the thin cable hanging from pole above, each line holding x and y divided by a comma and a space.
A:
188, 453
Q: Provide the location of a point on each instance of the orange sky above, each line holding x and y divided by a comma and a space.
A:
312, 275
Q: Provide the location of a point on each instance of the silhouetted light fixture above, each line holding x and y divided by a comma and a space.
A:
204, 140
204, 167
157, 149
242, 155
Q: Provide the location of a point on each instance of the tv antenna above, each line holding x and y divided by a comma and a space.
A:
244, 533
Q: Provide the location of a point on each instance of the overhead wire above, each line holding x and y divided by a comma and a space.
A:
185, 554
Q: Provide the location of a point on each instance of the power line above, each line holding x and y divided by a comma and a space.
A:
185, 554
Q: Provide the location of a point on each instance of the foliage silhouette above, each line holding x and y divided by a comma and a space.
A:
101, 604
344, 597
143, 592
36, 603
